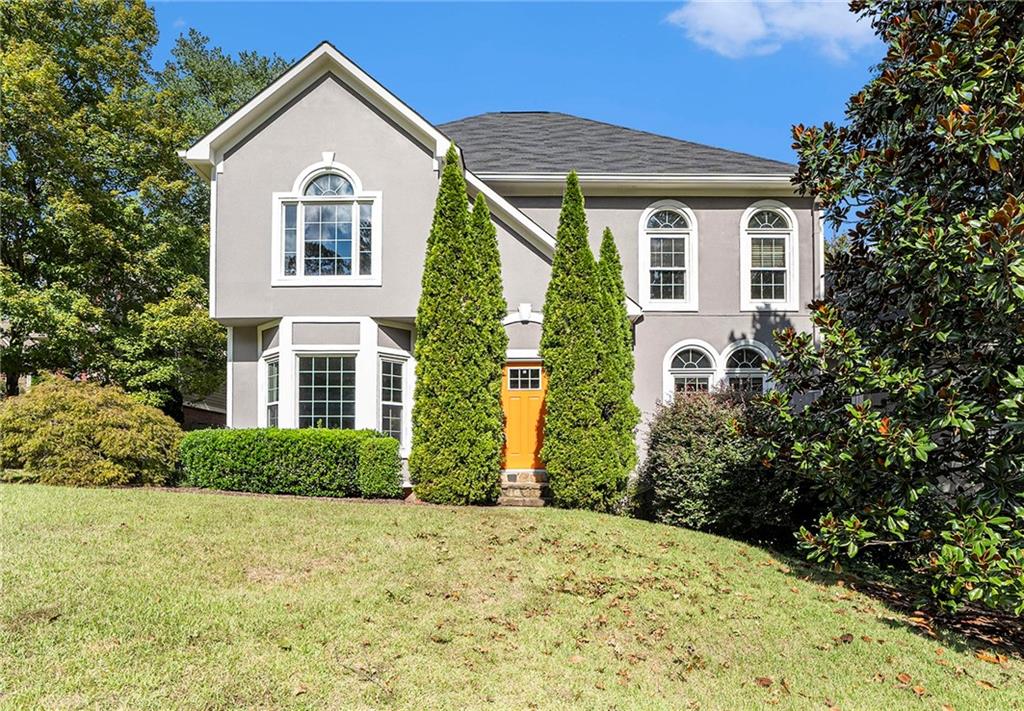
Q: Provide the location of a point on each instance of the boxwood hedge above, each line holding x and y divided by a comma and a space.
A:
307, 462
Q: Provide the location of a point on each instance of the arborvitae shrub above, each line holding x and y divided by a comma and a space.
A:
576, 441
617, 364
84, 434
458, 424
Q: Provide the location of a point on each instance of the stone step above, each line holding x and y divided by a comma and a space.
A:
527, 490
521, 501
525, 476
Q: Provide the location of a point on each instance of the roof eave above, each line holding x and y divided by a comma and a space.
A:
647, 183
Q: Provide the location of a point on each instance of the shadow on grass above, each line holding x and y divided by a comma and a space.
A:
971, 629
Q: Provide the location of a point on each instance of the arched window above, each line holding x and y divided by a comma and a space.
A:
329, 184
769, 253
327, 229
668, 257
692, 370
744, 370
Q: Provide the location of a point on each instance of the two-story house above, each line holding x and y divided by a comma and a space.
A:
322, 193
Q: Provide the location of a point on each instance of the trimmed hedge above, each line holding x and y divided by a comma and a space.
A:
377, 473
85, 434
306, 462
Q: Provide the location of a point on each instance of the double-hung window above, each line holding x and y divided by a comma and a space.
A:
769, 259
327, 232
273, 391
327, 391
392, 397
668, 258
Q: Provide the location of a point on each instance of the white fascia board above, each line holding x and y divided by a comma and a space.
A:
636, 184
324, 58
772, 179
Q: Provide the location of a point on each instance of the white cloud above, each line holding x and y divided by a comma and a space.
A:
179, 23
744, 28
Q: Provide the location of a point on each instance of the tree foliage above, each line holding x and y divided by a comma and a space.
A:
458, 425
916, 438
618, 410
101, 219
580, 449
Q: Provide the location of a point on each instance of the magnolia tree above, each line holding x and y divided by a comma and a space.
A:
916, 438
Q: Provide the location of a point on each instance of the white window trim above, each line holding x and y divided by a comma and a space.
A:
374, 197
765, 352
368, 355
690, 303
261, 373
408, 365
668, 377
719, 372
792, 300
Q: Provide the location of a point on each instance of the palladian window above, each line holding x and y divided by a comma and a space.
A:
327, 231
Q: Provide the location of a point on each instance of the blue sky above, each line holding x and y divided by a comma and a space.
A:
730, 74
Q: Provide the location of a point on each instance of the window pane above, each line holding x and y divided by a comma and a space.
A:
391, 381
768, 285
746, 383
330, 184
668, 252
325, 400
273, 371
691, 358
767, 252
365, 238
768, 220
391, 421
524, 378
272, 415
692, 383
328, 239
668, 284
667, 220
745, 358
289, 239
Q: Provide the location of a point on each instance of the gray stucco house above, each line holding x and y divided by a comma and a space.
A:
322, 193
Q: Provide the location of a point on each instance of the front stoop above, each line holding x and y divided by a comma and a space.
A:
524, 487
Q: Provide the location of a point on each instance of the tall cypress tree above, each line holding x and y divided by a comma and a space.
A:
457, 425
580, 473
620, 412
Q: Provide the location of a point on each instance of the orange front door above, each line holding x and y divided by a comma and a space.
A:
522, 396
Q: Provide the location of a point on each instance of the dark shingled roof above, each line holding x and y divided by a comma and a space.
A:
549, 142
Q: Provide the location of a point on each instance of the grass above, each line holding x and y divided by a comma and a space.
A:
155, 599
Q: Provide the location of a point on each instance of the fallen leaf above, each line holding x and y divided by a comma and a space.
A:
785, 685
903, 678
796, 590
947, 707
865, 638
985, 684
919, 690
990, 658
846, 638
763, 681
575, 659
299, 689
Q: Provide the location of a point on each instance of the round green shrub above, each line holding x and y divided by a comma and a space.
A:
378, 474
84, 434
702, 472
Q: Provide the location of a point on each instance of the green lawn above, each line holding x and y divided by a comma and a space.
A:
154, 599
